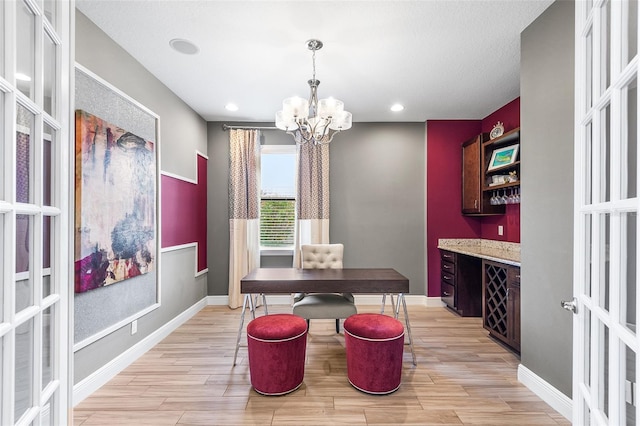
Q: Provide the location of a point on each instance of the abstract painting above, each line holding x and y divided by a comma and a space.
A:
115, 211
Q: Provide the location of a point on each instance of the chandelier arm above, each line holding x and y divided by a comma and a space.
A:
328, 138
297, 137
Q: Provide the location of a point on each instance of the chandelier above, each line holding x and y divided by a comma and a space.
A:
312, 120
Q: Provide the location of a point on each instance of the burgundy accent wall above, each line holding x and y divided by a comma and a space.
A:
444, 185
184, 212
508, 114
444, 182
510, 221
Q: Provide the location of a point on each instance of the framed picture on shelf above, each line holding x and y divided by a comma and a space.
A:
503, 156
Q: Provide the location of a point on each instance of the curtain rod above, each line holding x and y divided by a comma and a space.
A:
227, 127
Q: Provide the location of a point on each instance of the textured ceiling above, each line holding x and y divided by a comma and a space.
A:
441, 59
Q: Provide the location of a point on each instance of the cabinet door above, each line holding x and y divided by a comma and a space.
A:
514, 316
513, 305
471, 184
475, 201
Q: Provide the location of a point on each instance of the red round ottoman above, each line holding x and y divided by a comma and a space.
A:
277, 348
375, 345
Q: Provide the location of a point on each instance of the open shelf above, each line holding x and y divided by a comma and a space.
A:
512, 136
504, 185
503, 168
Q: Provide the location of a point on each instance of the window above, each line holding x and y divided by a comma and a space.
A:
277, 196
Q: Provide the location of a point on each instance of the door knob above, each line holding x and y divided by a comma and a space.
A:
570, 305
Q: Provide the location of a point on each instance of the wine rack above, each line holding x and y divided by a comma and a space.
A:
501, 302
495, 293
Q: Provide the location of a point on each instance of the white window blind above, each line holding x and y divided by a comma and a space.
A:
277, 222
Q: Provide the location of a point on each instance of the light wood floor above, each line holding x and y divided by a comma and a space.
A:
462, 377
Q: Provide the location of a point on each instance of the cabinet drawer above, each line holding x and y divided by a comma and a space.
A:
447, 256
448, 278
448, 267
448, 294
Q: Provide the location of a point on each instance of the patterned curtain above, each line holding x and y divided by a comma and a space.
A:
312, 224
244, 208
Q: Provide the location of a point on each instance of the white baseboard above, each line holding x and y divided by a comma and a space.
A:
434, 302
361, 299
101, 376
552, 396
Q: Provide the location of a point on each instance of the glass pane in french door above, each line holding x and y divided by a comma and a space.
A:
630, 151
587, 254
628, 251
2, 36
48, 250
587, 348
2, 270
48, 342
604, 156
24, 260
26, 39
603, 368
588, 92
606, 46
4, 387
24, 154
3, 170
49, 7
632, 31
48, 182
603, 261
49, 75
24, 368
47, 417
588, 154
629, 369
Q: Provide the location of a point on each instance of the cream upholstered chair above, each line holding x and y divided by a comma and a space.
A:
323, 305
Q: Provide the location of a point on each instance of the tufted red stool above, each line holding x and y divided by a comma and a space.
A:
277, 347
375, 345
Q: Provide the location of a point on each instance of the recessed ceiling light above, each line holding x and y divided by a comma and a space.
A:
22, 77
231, 107
397, 107
184, 46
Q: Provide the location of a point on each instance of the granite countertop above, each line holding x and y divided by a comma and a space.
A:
498, 251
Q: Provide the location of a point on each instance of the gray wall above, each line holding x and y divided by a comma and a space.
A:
377, 183
546, 107
182, 133
377, 178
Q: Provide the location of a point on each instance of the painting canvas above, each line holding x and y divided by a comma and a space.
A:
115, 212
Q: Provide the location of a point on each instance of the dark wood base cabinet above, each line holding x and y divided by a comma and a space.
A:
460, 283
501, 302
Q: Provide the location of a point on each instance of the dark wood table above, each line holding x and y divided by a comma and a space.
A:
290, 280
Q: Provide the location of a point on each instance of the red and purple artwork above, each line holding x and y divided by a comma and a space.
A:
115, 214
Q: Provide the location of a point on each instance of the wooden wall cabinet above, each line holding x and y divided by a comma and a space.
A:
477, 181
461, 283
474, 200
501, 302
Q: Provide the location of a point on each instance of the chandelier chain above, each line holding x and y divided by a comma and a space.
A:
313, 56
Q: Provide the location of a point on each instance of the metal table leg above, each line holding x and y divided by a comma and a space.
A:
406, 321
384, 302
247, 301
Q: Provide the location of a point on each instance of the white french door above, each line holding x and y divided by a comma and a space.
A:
34, 210
606, 343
